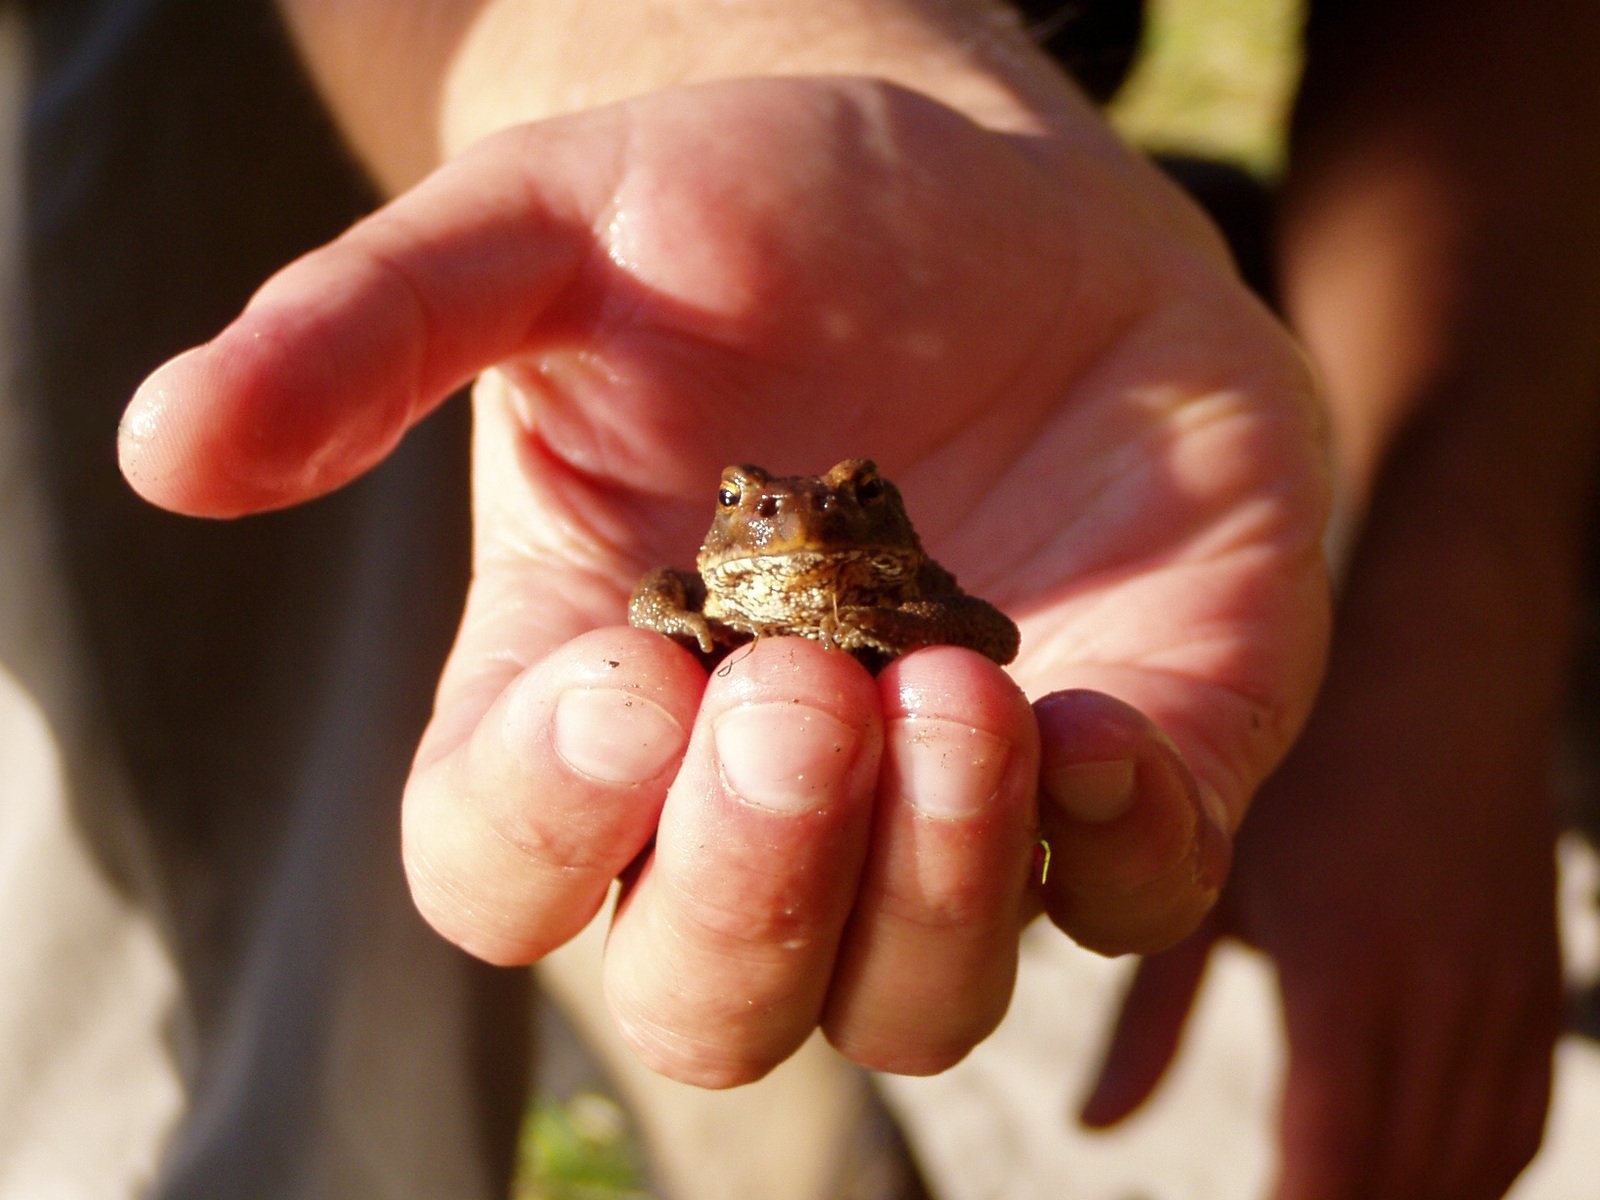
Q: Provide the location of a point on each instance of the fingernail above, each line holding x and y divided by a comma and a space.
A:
785, 757
1096, 792
615, 736
945, 768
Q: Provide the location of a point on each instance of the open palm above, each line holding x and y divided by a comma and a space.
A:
1094, 428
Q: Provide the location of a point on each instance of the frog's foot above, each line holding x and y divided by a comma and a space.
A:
667, 601
947, 621
691, 627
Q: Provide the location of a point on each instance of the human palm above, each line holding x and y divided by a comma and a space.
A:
1094, 427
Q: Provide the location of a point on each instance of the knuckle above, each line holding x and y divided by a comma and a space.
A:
701, 1060
946, 905
509, 927
749, 924
1142, 921
454, 917
527, 829
455, 922
918, 1052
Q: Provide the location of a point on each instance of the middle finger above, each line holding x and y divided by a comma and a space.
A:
723, 947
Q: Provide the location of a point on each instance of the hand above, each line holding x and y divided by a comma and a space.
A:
1400, 873
1044, 346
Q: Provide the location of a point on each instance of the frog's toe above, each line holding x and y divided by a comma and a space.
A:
700, 630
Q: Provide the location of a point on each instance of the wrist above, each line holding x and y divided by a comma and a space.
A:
973, 55
453, 71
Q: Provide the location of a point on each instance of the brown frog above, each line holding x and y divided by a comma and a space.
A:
831, 557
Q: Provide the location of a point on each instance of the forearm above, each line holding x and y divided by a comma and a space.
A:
1441, 260
414, 82
1441, 255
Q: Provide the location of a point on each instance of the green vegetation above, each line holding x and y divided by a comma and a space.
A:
579, 1148
1215, 78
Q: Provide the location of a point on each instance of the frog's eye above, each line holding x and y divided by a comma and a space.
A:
869, 489
728, 497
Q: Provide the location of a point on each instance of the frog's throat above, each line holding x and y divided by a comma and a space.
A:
799, 588
861, 565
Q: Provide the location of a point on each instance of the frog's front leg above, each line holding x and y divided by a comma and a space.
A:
958, 620
670, 601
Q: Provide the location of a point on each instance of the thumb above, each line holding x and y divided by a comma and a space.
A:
345, 349
1145, 1038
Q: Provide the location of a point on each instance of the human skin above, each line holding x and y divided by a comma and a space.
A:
1439, 253
901, 233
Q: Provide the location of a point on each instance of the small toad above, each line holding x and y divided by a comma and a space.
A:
831, 557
